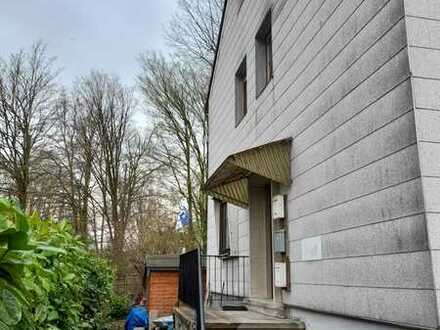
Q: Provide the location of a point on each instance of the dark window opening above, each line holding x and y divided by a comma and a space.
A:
223, 230
240, 93
263, 54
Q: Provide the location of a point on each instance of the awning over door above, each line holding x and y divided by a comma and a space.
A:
229, 182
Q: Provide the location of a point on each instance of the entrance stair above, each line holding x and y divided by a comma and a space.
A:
266, 307
219, 319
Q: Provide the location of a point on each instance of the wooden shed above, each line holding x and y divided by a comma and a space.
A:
161, 282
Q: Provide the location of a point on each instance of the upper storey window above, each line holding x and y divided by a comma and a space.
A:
263, 54
240, 92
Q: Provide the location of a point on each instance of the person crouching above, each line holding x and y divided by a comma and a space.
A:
137, 318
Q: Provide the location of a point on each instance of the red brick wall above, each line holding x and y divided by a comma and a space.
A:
162, 292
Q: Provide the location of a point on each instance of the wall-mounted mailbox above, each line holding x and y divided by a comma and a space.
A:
279, 241
278, 207
280, 274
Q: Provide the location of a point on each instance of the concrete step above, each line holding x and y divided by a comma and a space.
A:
267, 307
218, 319
248, 320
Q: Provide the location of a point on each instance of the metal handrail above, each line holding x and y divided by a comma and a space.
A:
227, 278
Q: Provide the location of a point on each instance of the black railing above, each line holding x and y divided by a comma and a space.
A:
227, 279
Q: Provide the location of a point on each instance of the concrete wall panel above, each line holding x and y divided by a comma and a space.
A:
408, 307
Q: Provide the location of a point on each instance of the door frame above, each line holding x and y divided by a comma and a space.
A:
260, 239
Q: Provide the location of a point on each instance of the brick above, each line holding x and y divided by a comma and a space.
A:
162, 292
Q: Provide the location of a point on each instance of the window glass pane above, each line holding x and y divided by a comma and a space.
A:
240, 93
268, 58
244, 97
263, 54
224, 229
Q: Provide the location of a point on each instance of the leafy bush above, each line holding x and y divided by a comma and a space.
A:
48, 278
118, 307
15, 255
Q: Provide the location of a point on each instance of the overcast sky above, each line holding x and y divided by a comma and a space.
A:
86, 34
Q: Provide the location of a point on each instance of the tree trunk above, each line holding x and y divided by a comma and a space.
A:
22, 194
118, 248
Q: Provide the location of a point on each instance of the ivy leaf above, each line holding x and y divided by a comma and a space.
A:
18, 257
51, 249
53, 315
45, 283
18, 241
52, 327
69, 277
10, 309
41, 312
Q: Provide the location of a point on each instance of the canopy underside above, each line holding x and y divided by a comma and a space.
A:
229, 182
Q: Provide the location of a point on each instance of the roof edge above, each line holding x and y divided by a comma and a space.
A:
215, 56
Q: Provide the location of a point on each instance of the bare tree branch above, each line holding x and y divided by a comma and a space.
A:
193, 30
27, 92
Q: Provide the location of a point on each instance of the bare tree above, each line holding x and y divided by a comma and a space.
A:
71, 159
176, 91
27, 91
176, 95
153, 230
120, 162
193, 30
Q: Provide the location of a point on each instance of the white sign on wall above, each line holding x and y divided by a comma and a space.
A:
278, 207
280, 274
311, 248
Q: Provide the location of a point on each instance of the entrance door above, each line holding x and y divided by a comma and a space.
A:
260, 239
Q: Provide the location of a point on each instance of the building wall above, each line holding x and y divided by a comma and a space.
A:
162, 292
423, 28
343, 91
318, 321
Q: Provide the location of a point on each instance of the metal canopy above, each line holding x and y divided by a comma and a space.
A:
229, 181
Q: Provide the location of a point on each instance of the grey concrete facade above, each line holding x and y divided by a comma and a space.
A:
357, 87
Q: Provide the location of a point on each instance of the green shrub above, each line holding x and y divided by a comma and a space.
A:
48, 278
119, 307
16, 254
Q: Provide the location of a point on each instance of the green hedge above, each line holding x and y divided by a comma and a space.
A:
48, 277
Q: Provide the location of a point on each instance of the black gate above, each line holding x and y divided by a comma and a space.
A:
190, 284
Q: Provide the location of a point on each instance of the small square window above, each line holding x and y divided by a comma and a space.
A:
240, 93
263, 54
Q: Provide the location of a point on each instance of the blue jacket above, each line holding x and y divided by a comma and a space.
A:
138, 317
